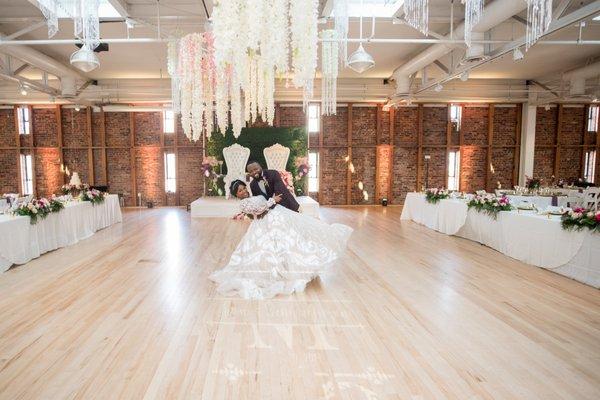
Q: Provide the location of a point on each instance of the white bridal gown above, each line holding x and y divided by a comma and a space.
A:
280, 253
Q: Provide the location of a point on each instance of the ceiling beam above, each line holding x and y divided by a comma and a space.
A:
581, 13
121, 6
560, 9
441, 66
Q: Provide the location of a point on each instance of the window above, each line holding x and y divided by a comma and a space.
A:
592, 120
26, 174
23, 114
313, 118
170, 173
453, 169
589, 166
168, 121
455, 116
313, 173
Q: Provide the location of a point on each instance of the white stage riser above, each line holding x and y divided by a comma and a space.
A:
219, 207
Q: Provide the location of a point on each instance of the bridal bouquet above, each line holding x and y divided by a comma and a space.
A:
490, 204
434, 195
93, 196
580, 218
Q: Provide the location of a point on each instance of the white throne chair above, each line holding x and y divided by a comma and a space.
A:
276, 156
236, 157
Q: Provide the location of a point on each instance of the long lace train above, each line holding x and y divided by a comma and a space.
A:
280, 254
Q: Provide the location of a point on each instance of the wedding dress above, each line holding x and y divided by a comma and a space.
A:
280, 253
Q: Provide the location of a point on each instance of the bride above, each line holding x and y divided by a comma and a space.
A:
281, 251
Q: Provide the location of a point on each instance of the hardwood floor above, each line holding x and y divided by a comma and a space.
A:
408, 313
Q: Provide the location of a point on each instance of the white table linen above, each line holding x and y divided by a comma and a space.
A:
524, 235
447, 216
20, 241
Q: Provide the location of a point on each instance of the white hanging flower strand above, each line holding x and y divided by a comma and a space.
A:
303, 18
416, 14
539, 16
340, 11
173, 69
473, 11
329, 72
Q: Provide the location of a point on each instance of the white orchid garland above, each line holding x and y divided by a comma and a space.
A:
329, 72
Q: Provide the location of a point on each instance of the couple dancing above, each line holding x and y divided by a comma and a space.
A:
283, 249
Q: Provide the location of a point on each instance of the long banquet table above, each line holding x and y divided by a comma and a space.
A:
20, 241
524, 235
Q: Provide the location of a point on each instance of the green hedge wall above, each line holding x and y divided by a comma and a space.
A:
256, 139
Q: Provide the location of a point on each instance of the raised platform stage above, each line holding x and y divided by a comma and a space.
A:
219, 207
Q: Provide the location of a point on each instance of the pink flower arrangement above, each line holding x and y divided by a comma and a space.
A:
580, 218
93, 196
288, 180
302, 167
434, 195
490, 204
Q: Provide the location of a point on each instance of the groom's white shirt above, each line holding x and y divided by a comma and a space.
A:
261, 185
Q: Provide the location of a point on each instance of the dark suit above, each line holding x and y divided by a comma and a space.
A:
274, 185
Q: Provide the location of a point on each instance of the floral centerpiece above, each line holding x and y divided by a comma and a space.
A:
533, 183
36, 209
73, 189
434, 195
213, 178
580, 218
56, 205
94, 196
490, 204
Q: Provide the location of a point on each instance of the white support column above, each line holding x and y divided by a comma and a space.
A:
527, 141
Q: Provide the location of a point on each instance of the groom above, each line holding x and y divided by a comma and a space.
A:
268, 182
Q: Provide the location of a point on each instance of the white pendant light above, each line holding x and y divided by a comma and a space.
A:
85, 59
360, 60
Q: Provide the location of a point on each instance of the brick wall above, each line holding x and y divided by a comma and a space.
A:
560, 142
394, 167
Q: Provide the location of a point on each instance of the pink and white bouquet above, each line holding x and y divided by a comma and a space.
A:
288, 180
490, 204
580, 218
94, 196
35, 209
434, 195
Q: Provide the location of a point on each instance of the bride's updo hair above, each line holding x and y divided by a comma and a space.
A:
233, 188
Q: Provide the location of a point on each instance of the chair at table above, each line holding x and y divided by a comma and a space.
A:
276, 156
591, 198
236, 157
480, 192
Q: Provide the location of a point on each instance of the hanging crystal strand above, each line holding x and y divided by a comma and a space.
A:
340, 10
473, 11
173, 69
197, 98
329, 72
417, 14
185, 61
222, 96
539, 16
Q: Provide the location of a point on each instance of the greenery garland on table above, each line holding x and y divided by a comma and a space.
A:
434, 195
94, 196
56, 205
490, 204
580, 218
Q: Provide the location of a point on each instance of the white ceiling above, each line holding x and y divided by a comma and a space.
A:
178, 17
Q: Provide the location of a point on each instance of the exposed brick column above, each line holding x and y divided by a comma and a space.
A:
348, 172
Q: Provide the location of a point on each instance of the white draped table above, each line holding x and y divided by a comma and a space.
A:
525, 236
541, 202
20, 241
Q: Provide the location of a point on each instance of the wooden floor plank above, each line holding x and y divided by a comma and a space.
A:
407, 313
